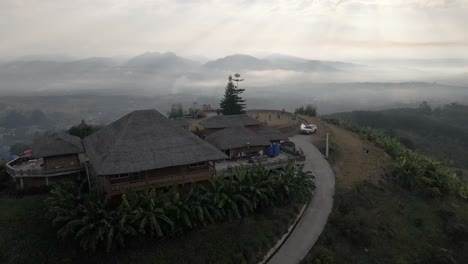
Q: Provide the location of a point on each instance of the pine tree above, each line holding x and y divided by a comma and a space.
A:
232, 103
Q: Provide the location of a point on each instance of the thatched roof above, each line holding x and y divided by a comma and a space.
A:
57, 144
145, 140
222, 121
236, 137
181, 122
272, 134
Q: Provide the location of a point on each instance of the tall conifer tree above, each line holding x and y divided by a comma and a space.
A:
232, 103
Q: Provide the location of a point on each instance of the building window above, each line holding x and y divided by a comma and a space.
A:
196, 165
135, 176
120, 176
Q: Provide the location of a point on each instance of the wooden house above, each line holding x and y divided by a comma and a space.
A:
143, 149
238, 141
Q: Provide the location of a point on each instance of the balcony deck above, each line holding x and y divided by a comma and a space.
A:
25, 167
163, 181
224, 168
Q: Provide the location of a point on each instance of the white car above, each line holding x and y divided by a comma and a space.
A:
308, 129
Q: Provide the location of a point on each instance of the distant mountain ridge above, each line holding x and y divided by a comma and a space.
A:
239, 62
170, 62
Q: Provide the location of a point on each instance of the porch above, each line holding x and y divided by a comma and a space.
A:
31, 172
111, 187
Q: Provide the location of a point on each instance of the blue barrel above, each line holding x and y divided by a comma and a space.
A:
276, 149
270, 151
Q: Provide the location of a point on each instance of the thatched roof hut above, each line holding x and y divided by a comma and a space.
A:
145, 140
236, 137
223, 121
272, 134
57, 144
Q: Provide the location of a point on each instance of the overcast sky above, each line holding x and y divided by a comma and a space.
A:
331, 29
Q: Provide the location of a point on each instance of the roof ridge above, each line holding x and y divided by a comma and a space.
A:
146, 140
68, 138
118, 136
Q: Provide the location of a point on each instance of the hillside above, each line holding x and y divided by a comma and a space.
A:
441, 132
376, 221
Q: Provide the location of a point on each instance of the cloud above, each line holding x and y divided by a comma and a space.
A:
217, 27
403, 3
395, 44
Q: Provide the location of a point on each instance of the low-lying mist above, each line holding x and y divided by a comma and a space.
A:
271, 82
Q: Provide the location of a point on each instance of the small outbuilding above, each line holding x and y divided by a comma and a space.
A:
273, 135
238, 141
59, 150
55, 157
219, 122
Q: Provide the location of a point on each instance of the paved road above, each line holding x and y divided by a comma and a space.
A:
312, 223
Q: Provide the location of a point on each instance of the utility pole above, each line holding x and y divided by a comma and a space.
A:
326, 148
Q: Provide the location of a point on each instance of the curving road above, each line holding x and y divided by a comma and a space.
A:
312, 223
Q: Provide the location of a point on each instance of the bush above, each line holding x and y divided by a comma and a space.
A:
4, 178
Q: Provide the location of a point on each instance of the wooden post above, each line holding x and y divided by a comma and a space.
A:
326, 148
87, 176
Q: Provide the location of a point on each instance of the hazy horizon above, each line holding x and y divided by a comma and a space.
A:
327, 30
339, 54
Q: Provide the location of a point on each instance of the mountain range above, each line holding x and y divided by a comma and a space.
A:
170, 62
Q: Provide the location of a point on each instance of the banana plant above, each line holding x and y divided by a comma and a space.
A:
201, 206
148, 210
178, 208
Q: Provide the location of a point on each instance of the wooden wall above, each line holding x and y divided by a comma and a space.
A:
61, 161
251, 149
164, 177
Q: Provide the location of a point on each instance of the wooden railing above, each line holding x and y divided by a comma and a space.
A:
270, 165
161, 181
14, 172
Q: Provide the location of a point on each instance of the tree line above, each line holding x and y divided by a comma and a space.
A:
178, 111
308, 110
17, 119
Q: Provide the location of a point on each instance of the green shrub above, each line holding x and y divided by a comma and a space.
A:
91, 220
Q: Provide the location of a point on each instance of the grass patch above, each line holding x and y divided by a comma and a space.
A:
386, 224
25, 234
27, 237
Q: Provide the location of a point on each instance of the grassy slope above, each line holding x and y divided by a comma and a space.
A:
26, 237
376, 222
